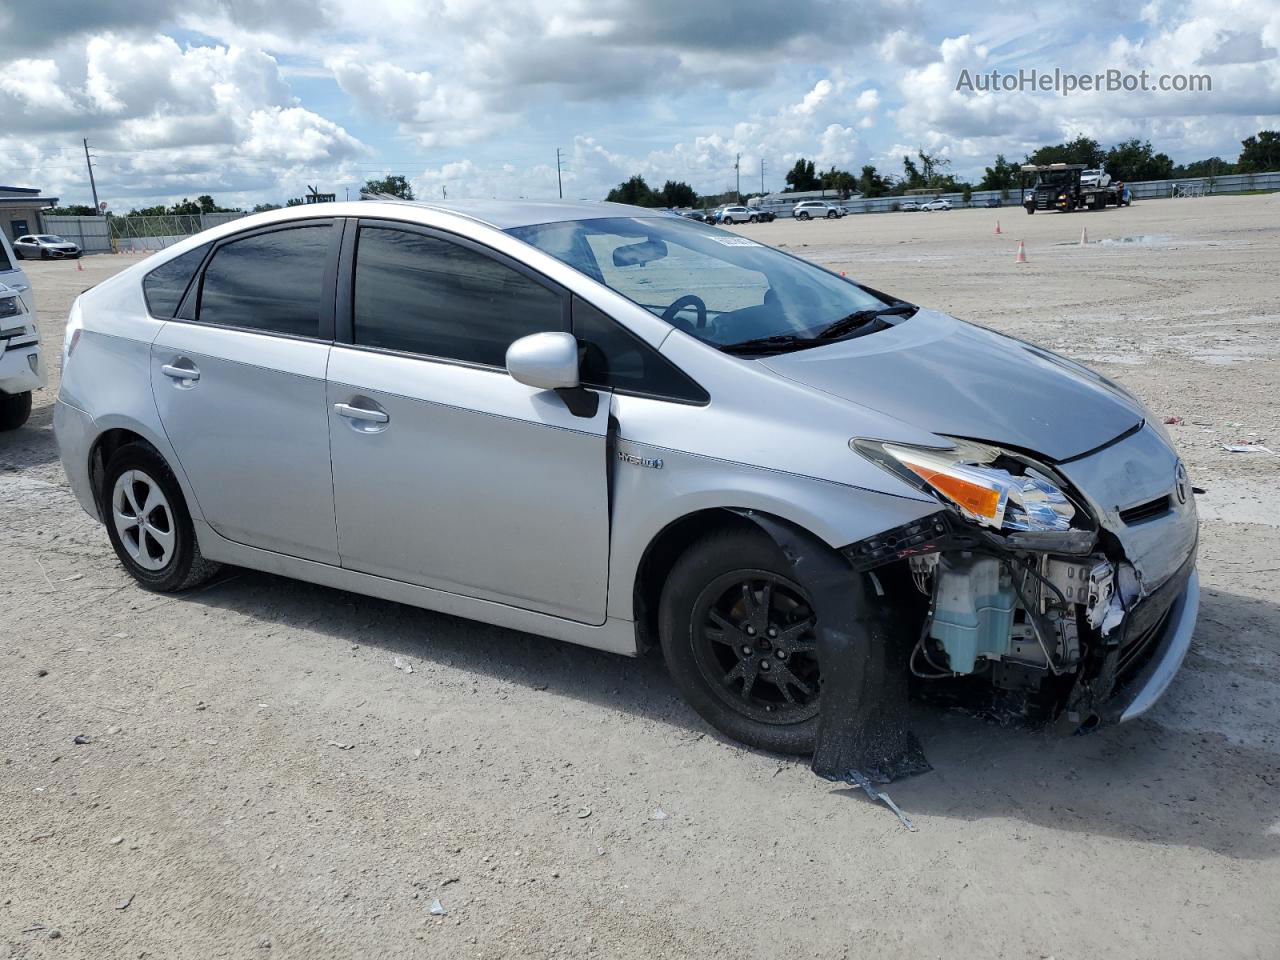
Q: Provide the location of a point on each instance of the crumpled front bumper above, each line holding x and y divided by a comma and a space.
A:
1138, 693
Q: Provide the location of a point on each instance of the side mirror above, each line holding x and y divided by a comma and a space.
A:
547, 361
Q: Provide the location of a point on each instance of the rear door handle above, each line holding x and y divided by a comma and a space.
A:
360, 413
180, 373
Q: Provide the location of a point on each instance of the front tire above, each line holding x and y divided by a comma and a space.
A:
804, 215
148, 522
737, 635
15, 408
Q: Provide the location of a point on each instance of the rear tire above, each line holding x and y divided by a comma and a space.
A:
717, 588
15, 408
148, 522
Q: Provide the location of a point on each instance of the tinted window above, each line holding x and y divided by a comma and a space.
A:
611, 356
164, 286
425, 295
272, 281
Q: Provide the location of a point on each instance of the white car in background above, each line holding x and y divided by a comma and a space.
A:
21, 366
908, 205
1095, 178
817, 209
939, 204
737, 214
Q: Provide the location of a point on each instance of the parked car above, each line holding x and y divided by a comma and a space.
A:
993, 202
1095, 178
45, 246
909, 205
697, 215
938, 204
21, 362
817, 209
765, 216
738, 214
532, 413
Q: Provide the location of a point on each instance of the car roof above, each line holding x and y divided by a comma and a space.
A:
505, 214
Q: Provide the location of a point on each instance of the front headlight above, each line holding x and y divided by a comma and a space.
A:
11, 306
968, 478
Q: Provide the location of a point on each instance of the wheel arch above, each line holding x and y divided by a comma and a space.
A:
116, 432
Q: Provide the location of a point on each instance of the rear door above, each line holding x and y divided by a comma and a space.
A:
239, 380
446, 471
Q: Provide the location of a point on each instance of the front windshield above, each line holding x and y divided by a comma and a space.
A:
51, 238
720, 287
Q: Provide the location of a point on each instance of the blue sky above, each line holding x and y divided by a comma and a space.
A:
251, 100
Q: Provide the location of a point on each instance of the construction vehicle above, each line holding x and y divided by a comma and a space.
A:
1058, 186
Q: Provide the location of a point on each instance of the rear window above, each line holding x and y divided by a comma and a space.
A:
164, 286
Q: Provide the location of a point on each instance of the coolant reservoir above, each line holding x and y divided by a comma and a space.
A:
973, 600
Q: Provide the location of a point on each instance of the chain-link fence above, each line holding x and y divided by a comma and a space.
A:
132, 234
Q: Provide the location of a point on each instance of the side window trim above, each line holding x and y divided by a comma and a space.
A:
345, 313
177, 313
189, 309
645, 348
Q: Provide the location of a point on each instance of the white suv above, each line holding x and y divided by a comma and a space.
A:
21, 367
813, 209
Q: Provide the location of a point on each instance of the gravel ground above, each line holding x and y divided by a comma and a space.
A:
261, 780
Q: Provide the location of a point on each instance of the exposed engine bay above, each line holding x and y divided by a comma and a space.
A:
1021, 591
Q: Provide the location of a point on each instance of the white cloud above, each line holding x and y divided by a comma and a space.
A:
867, 100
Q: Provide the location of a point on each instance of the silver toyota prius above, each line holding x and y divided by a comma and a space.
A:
618, 427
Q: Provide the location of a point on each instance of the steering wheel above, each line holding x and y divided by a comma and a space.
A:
688, 300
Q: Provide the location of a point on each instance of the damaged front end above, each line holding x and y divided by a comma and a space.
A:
1040, 598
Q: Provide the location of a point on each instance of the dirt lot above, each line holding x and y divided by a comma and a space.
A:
519, 780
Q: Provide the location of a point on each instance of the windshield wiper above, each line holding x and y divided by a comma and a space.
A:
778, 343
858, 318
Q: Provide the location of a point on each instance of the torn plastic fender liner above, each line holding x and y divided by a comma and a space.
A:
862, 714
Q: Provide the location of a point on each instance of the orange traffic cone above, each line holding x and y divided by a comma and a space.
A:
1022, 254
998, 227
1084, 237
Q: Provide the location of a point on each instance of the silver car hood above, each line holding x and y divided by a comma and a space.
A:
954, 378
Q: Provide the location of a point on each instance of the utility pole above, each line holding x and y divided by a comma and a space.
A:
97, 212
444, 192
737, 173
559, 181
762, 176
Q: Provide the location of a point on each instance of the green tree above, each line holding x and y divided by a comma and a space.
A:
841, 181
871, 184
294, 202
635, 192
1212, 167
72, 210
264, 207
1082, 149
1261, 152
395, 185
677, 193
1134, 159
1001, 175
911, 178
802, 177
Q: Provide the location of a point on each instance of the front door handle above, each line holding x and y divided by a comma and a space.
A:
180, 373
360, 413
